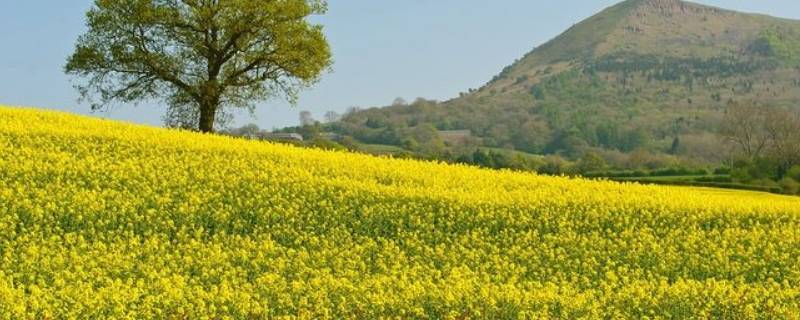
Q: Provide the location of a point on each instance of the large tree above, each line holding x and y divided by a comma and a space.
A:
745, 125
200, 56
783, 128
765, 132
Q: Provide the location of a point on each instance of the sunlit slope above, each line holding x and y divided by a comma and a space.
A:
104, 219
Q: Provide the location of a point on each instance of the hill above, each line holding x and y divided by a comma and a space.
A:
643, 75
102, 219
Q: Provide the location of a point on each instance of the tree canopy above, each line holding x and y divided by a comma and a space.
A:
202, 57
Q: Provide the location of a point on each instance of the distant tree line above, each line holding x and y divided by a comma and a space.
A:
674, 68
766, 144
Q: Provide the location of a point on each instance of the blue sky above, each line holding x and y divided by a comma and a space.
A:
382, 50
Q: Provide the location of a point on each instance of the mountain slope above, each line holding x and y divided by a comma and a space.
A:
102, 219
665, 28
643, 74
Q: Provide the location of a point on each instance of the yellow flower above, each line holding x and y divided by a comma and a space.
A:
102, 219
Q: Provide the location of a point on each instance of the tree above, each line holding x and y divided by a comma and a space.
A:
399, 102
425, 132
430, 143
637, 138
409, 143
249, 130
676, 146
568, 143
591, 162
200, 56
765, 135
745, 127
532, 136
783, 129
306, 119
332, 116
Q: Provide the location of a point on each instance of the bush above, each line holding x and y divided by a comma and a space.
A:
591, 162
722, 170
721, 179
410, 144
554, 165
741, 174
757, 169
349, 143
766, 183
722, 185
678, 171
790, 186
794, 173
325, 144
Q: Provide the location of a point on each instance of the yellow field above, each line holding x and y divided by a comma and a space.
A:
101, 219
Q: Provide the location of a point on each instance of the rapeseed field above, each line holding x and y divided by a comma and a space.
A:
102, 219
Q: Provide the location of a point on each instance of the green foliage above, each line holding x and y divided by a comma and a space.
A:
678, 172
794, 173
555, 165
676, 145
746, 170
326, 144
410, 143
501, 159
781, 44
590, 162
199, 56
761, 172
789, 185
666, 68
349, 143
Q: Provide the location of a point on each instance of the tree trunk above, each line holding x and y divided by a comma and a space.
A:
208, 113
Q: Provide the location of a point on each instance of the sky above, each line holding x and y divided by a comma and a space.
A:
382, 50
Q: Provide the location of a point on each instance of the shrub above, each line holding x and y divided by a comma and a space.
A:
794, 173
722, 170
326, 144
790, 186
